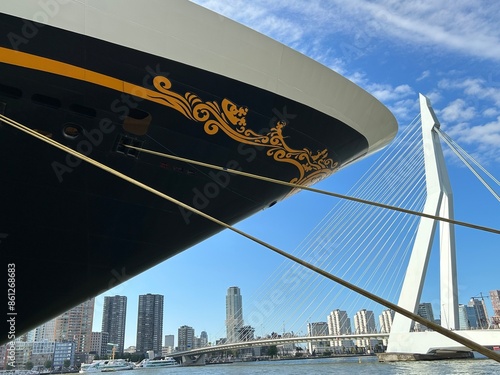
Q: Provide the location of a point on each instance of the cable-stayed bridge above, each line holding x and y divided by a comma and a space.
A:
197, 356
376, 243
382, 250
282, 341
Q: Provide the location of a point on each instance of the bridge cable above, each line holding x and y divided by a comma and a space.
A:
340, 233
461, 150
458, 151
319, 191
445, 332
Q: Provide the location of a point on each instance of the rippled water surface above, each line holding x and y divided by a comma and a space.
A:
347, 366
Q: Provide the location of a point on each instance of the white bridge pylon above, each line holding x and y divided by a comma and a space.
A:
439, 202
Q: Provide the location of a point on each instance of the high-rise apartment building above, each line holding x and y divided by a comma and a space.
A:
113, 320
150, 323
185, 338
234, 313
76, 325
495, 301
46, 332
364, 322
385, 320
339, 323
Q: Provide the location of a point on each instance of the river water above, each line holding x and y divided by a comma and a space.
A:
337, 366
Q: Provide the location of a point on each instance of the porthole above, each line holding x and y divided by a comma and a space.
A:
72, 131
48, 101
137, 122
13, 92
83, 110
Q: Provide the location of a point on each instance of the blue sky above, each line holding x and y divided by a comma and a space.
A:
447, 50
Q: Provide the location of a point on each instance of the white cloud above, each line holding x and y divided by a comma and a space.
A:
319, 30
405, 109
467, 28
491, 112
424, 75
486, 138
434, 96
256, 15
468, 119
457, 110
386, 92
451, 24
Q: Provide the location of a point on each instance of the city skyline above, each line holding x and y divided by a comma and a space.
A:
339, 321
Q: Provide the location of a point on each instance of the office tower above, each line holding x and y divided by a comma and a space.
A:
339, 323
495, 301
467, 318
76, 325
113, 320
481, 312
364, 322
66, 351
425, 311
185, 338
150, 323
203, 338
234, 313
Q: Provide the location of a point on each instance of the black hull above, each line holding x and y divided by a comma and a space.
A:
73, 231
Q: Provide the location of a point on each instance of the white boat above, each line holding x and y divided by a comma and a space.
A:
159, 362
106, 366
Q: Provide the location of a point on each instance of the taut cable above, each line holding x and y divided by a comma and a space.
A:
314, 190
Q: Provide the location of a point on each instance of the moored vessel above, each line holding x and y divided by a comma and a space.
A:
158, 362
110, 365
171, 77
